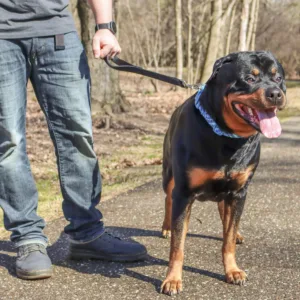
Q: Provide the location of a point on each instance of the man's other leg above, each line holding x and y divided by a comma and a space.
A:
18, 194
62, 83
61, 80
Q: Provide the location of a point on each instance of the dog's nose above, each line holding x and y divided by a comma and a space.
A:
274, 95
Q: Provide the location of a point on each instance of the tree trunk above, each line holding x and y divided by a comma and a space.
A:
253, 39
226, 22
200, 47
190, 43
179, 53
251, 23
244, 26
214, 39
105, 92
232, 19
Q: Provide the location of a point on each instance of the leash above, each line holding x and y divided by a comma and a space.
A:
122, 65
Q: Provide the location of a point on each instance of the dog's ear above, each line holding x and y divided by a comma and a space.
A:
219, 64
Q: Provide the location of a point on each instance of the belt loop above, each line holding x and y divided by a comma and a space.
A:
59, 42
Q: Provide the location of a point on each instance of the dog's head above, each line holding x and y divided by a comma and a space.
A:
248, 89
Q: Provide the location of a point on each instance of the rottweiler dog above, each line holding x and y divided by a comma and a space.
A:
212, 149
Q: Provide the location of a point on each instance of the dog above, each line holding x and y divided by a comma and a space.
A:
212, 149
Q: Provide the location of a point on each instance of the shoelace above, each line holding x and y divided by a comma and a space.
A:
27, 249
112, 236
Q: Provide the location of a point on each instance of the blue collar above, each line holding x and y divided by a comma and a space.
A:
217, 130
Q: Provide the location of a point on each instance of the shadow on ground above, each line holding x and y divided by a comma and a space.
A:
58, 253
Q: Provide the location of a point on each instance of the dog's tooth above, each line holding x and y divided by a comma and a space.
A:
250, 111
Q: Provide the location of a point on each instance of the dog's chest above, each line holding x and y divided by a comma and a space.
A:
212, 183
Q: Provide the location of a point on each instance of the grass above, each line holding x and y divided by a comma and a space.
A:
292, 84
130, 166
288, 113
124, 169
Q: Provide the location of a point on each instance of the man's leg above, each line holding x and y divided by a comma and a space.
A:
62, 83
18, 194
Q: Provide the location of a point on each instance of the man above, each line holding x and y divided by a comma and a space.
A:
38, 41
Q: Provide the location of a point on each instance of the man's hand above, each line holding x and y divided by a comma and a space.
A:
105, 44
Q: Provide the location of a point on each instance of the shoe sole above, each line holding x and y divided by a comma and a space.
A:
42, 274
81, 255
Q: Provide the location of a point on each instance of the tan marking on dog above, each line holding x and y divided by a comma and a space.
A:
233, 273
274, 70
166, 228
221, 208
173, 282
242, 176
198, 176
255, 72
237, 124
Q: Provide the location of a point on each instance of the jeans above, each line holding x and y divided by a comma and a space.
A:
61, 80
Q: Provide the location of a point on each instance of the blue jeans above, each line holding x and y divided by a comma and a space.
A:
61, 80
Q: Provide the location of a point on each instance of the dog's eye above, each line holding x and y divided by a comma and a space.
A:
250, 79
278, 79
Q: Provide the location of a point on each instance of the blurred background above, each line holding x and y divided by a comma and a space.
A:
184, 37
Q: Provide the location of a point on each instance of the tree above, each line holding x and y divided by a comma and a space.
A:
179, 53
190, 42
214, 39
251, 23
244, 25
253, 37
105, 92
232, 19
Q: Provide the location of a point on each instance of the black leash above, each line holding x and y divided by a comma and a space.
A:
122, 65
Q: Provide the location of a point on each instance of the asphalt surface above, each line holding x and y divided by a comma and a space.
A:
271, 253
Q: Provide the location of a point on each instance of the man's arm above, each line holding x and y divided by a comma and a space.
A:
104, 41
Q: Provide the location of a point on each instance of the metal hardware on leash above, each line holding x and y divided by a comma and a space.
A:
122, 65
193, 86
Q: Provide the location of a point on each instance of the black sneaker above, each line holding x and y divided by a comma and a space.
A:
33, 262
110, 248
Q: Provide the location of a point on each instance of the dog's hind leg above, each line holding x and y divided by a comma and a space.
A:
232, 212
239, 237
180, 219
166, 228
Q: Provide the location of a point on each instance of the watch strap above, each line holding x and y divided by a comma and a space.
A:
110, 26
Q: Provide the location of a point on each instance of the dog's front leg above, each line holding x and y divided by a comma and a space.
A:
180, 219
221, 207
233, 208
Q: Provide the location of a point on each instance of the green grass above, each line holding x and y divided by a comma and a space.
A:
292, 84
288, 113
117, 176
49, 199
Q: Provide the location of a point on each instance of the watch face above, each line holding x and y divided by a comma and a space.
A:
113, 27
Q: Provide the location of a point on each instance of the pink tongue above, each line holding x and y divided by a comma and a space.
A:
269, 124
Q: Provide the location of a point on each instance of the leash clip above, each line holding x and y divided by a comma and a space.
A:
192, 86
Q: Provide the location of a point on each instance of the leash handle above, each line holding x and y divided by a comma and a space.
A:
122, 65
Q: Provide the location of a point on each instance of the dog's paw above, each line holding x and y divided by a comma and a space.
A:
236, 277
171, 286
166, 233
239, 238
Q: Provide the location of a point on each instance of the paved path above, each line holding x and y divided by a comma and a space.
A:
271, 253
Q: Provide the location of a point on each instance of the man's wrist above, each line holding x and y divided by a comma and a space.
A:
110, 26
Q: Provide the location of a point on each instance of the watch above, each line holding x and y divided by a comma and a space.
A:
110, 26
